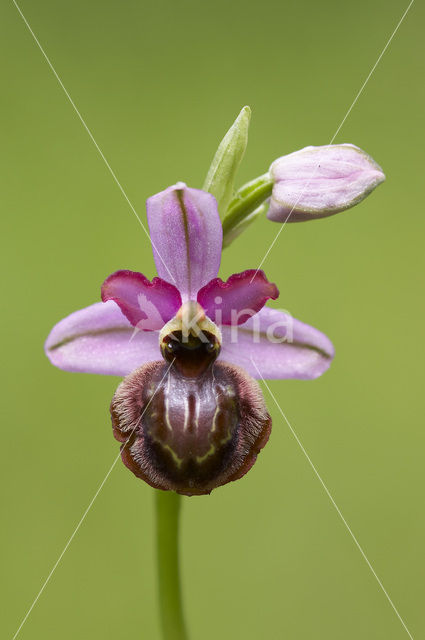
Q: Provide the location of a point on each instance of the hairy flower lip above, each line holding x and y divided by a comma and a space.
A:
217, 441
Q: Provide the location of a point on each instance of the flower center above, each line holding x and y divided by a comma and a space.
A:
190, 341
192, 356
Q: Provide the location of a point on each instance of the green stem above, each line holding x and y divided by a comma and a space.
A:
246, 201
170, 600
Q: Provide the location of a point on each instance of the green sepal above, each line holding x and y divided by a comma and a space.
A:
221, 175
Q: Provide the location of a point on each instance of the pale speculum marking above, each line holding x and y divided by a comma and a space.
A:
206, 422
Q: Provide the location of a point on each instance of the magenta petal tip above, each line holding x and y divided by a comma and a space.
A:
239, 298
147, 305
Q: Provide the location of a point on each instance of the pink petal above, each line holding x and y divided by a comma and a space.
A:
147, 305
237, 299
315, 182
279, 345
186, 236
99, 339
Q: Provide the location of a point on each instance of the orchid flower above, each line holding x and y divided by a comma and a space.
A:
189, 413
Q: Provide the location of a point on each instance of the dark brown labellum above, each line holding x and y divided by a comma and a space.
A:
190, 423
189, 435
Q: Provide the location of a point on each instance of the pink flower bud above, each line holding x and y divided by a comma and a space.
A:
316, 182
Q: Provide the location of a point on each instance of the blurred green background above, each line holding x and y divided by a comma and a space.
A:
158, 84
